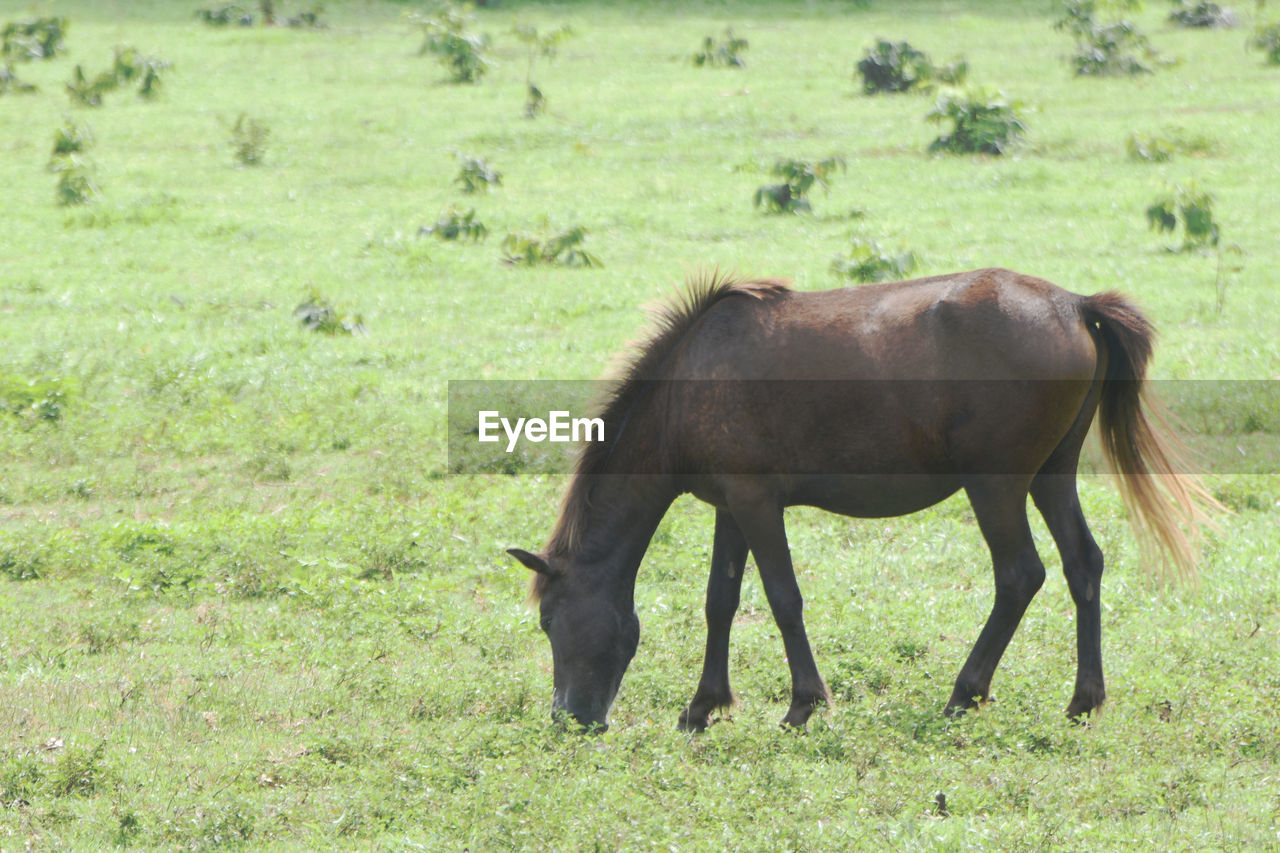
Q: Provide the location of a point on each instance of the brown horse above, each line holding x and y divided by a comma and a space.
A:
872, 401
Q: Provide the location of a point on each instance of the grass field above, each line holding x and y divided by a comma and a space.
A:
244, 602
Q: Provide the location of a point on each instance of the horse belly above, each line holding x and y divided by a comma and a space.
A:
871, 496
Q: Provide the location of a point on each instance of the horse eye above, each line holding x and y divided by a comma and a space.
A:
545, 624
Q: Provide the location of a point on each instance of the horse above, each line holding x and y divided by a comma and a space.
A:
874, 401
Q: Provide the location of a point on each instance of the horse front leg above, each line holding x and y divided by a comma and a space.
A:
760, 518
724, 586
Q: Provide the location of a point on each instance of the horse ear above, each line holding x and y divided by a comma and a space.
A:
533, 561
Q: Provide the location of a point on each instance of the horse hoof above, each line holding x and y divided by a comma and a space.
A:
797, 718
955, 710
1085, 703
694, 723
1080, 714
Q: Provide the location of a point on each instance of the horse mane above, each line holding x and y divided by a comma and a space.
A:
672, 321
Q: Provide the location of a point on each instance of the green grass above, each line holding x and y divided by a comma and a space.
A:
243, 603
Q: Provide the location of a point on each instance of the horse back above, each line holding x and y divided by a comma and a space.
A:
986, 324
941, 377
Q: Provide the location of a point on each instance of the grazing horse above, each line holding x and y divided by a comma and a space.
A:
873, 401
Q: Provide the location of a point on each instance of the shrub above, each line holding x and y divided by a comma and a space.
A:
1193, 208
71, 138
69, 160
317, 314
232, 13
983, 121
563, 249
26, 41
1159, 149
899, 67
539, 44
1103, 49
445, 35
1192, 15
455, 225
146, 70
868, 262
799, 176
86, 92
82, 773
34, 401
1153, 149
75, 181
222, 16
1267, 39
40, 38
475, 175
128, 67
724, 52
249, 140
307, 19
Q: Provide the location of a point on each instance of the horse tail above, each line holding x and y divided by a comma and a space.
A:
1167, 504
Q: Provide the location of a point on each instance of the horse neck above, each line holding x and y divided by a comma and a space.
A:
625, 500
624, 513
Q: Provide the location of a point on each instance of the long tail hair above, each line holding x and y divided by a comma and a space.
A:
1167, 504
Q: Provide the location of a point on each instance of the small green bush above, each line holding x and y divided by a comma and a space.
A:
39, 38
27, 41
868, 262
249, 140
1267, 39
799, 176
475, 175
898, 67
453, 224
538, 44
71, 138
147, 71
226, 15
1199, 14
1104, 49
723, 53
34, 402
88, 93
563, 249
317, 314
232, 13
69, 160
983, 121
82, 773
308, 19
1190, 206
128, 67
1154, 148
446, 35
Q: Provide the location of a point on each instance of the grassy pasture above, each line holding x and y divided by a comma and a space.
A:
242, 602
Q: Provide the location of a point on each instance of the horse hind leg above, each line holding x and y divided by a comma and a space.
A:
1056, 498
1000, 504
724, 586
